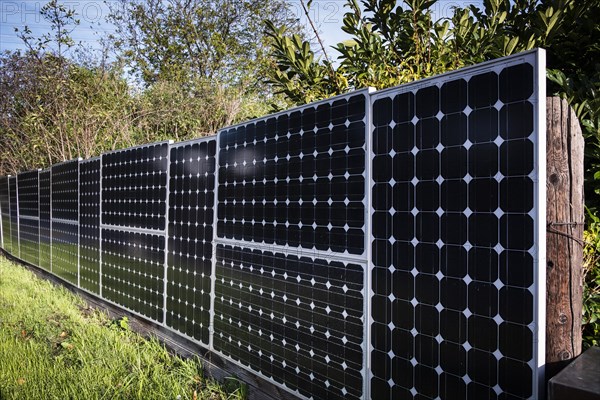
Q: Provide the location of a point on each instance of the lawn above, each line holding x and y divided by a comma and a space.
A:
53, 346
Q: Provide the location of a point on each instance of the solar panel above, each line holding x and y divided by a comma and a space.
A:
14, 215
133, 271
190, 235
134, 187
28, 200
297, 179
295, 320
291, 217
65, 220
45, 226
454, 274
133, 224
89, 224
5, 214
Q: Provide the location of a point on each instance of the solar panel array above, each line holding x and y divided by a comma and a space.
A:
381, 245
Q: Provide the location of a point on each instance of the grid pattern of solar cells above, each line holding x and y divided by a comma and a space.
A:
295, 182
65, 178
134, 187
133, 223
5, 213
65, 220
28, 199
133, 271
297, 179
14, 215
45, 226
190, 235
296, 320
28, 194
89, 224
453, 236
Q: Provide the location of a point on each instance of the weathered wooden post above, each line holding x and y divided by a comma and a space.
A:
565, 223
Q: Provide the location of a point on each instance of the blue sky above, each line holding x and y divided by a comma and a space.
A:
327, 15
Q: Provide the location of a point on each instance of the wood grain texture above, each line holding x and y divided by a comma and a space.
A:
564, 236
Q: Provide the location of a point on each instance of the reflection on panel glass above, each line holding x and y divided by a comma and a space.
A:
190, 233
297, 179
295, 320
28, 200
5, 214
45, 226
453, 239
89, 224
133, 270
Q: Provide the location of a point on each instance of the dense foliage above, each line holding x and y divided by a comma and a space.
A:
173, 70
398, 42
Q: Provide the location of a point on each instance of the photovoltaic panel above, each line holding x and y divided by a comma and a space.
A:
89, 224
28, 183
134, 187
295, 320
133, 224
190, 234
45, 226
65, 178
456, 212
133, 271
297, 179
65, 220
5, 214
29, 229
14, 215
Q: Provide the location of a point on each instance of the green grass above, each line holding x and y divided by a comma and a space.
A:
52, 346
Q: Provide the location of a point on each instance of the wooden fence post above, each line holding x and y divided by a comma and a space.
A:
564, 236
